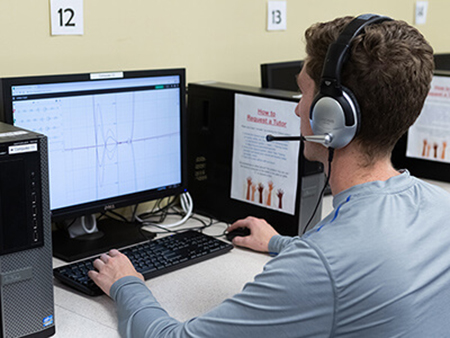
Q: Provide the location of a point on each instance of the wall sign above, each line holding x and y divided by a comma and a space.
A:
421, 12
276, 15
66, 17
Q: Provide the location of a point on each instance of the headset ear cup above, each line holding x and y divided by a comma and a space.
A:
316, 114
313, 105
354, 108
337, 116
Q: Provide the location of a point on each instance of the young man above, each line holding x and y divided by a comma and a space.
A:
378, 265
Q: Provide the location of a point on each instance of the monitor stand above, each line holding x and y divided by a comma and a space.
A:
110, 234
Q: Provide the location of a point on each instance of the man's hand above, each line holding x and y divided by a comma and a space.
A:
110, 268
260, 234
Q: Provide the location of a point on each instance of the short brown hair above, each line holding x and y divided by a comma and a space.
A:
389, 71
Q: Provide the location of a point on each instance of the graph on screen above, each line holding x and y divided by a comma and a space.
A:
105, 142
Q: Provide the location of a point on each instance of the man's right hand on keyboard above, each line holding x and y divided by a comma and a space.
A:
110, 268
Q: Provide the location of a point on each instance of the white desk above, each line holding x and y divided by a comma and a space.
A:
184, 293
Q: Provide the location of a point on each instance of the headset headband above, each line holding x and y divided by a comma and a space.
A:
338, 51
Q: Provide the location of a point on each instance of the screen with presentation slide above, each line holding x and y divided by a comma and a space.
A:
115, 139
424, 150
233, 172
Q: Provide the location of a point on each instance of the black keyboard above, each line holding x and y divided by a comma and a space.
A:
152, 258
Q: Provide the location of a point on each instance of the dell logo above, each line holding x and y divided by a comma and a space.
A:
16, 276
109, 207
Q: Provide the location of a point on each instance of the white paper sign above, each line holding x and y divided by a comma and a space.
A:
421, 12
265, 173
276, 11
67, 17
429, 136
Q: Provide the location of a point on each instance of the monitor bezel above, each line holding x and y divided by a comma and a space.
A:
103, 205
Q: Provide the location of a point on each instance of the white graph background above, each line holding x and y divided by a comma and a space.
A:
107, 145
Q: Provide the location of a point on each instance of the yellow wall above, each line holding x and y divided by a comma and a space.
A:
223, 40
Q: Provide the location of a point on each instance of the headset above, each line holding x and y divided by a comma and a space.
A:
334, 115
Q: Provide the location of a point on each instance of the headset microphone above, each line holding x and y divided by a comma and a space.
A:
270, 138
322, 139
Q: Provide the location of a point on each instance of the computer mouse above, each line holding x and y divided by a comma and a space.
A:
238, 232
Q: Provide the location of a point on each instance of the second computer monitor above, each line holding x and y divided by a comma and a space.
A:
425, 149
442, 61
281, 75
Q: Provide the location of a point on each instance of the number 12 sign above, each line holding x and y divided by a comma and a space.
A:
66, 17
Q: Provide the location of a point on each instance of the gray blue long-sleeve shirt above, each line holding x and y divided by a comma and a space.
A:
377, 266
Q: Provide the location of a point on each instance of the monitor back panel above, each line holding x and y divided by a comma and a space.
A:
424, 149
281, 75
442, 61
210, 151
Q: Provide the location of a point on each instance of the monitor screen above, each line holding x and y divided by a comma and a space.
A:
114, 139
424, 150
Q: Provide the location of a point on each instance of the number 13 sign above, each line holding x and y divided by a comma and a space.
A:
276, 11
66, 17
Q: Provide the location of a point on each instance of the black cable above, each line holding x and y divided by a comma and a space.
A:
133, 215
160, 209
202, 221
121, 217
165, 230
162, 213
169, 230
330, 159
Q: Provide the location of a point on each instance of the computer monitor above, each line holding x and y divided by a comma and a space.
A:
281, 75
424, 149
233, 172
115, 139
442, 61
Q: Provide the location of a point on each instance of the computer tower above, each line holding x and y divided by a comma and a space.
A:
211, 115
26, 279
